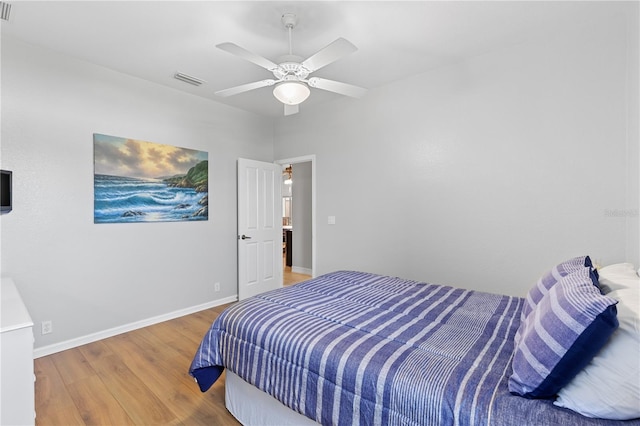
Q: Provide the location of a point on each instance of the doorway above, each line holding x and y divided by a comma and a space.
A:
300, 227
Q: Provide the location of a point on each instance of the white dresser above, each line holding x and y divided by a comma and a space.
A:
17, 396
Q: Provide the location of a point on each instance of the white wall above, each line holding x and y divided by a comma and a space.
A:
483, 174
87, 278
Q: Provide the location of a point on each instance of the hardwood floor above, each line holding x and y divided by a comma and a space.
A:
136, 378
289, 277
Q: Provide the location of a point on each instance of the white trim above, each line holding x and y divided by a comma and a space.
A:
305, 159
301, 270
94, 337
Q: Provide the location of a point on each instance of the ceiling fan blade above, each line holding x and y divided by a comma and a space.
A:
291, 109
329, 54
245, 87
234, 49
337, 87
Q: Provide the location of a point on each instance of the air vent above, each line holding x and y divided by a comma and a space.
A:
5, 11
188, 79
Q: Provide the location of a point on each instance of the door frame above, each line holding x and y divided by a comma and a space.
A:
306, 159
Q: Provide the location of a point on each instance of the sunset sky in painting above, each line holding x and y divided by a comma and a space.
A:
117, 156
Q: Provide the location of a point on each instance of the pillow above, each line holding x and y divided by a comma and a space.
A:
547, 281
609, 387
565, 330
618, 276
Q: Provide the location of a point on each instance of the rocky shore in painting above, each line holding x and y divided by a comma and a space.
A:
197, 178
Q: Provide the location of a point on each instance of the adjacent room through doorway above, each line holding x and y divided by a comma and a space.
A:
298, 221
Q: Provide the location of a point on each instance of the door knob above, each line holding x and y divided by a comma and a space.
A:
244, 237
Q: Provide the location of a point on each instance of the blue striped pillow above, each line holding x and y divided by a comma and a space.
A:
547, 281
562, 334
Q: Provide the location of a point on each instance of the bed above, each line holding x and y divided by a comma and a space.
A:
359, 348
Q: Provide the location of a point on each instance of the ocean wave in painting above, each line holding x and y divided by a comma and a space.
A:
124, 199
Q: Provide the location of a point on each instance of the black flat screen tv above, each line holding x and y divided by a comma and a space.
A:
6, 187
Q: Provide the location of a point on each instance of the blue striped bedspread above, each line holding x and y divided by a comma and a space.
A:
358, 348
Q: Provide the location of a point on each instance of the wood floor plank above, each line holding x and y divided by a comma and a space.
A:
165, 371
191, 329
167, 332
72, 365
171, 336
95, 351
96, 404
172, 361
157, 370
140, 403
54, 405
159, 340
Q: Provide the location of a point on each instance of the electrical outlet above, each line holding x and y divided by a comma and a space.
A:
216, 287
47, 327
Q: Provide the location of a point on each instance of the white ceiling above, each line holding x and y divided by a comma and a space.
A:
153, 40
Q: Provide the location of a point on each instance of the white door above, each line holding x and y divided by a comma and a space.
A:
259, 227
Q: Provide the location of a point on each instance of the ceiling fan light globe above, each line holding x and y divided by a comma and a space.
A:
291, 92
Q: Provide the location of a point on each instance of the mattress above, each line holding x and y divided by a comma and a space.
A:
264, 410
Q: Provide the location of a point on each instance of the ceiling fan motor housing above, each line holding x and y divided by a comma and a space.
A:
289, 20
286, 69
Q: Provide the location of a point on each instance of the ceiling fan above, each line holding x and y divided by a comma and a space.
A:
291, 74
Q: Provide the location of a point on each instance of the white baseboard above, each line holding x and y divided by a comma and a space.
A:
94, 337
301, 270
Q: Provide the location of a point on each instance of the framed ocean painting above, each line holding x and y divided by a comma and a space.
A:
138, 181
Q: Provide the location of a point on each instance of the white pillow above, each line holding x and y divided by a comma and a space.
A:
617, 277
609, 386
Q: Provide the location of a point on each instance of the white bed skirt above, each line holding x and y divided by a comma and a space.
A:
253, 407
